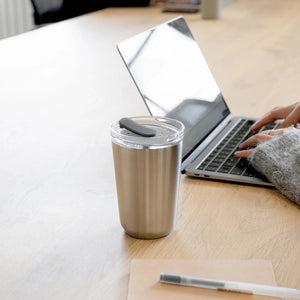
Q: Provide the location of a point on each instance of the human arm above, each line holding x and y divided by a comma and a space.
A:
279, 160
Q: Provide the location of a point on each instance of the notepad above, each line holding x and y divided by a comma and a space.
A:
144, 278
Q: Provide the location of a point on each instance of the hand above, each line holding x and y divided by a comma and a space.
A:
259, 138
290, 114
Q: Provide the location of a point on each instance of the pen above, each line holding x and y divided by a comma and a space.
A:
230, 286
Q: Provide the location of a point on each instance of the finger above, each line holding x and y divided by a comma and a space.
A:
255, 139
244, 153
279, 131
293, 118
276, 113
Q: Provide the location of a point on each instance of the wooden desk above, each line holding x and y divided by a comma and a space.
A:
62, 86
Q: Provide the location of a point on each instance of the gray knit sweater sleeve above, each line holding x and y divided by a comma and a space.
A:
279, 160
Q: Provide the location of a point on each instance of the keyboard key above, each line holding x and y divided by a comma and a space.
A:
218, 160
250, 171
224, 169
236, 170
211, 168
202, 166
232, 160
214, 164
269, 126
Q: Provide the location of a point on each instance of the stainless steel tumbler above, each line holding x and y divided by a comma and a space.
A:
147, 172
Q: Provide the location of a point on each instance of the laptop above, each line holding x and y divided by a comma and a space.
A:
175, 81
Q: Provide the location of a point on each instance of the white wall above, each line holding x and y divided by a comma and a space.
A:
15, 17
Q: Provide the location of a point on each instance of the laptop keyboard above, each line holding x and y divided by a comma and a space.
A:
222, 158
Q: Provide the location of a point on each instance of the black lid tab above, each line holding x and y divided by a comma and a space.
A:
136, 128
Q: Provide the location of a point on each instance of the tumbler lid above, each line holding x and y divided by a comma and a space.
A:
139, 129
147, 132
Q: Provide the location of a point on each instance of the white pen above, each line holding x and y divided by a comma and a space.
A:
230, 286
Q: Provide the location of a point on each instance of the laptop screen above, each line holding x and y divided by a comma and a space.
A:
174, 79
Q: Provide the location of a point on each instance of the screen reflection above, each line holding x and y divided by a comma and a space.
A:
174, 79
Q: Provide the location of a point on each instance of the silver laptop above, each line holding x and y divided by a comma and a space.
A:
174, 80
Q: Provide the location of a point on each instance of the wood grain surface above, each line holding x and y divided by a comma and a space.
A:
60, 89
